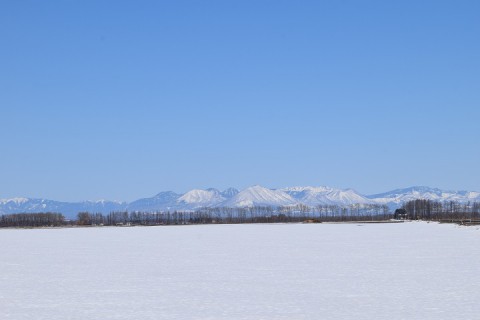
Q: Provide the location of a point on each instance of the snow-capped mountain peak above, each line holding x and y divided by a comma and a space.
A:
260, 196
313, 196
14, 200
252, 196
201, 198
396, 197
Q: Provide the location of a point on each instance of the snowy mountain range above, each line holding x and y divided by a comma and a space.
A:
252, 196
396, 197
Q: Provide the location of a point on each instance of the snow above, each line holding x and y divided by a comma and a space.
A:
394, 198
16, 201
200, 198
256, 195
313, 196
257, 271
259, 196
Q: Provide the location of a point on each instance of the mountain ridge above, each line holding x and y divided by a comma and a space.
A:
231, 197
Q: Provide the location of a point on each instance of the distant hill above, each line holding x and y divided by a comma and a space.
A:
231, 197
396, 197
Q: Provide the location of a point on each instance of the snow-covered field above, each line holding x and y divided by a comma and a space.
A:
283, 271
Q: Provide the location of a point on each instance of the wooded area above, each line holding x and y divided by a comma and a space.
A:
441, 211
411, 210
263, 214
32, 220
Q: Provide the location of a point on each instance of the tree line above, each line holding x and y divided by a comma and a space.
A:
439, 211
256, 214
45, 219
415, 209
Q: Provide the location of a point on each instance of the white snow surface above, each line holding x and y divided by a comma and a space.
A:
245, 272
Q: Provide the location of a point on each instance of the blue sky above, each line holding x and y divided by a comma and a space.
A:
124, 99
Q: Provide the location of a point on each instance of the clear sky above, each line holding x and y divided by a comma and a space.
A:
124, 99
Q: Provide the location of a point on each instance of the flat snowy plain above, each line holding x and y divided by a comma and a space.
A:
259, 271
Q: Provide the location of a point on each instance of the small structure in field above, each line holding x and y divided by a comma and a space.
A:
401, 214
312, 221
